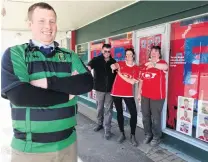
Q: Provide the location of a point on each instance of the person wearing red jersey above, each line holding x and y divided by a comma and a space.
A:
205, 124
152, 95
127, 76
205, 137
186, 105
185, 117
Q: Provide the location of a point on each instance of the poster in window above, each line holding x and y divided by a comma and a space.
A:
82, 51
96, 48
119, 44
145, 45
202, 124
185, 115
188, 70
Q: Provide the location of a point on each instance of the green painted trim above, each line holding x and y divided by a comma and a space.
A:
86, 102
186, 148
93, 105
138, 16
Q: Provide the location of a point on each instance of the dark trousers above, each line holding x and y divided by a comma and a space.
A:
151, 112
131, 105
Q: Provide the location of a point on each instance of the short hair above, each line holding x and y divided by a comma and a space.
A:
41, 5
156, 48
205, 131
186, 99
130, 49
106, 46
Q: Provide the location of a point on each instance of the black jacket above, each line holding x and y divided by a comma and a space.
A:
103, 76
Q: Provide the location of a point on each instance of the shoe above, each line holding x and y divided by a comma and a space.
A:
147, 140
133, 140
121, 138
107, 135
98, 128
155, 142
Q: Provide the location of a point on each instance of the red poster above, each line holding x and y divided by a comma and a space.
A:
188, 67
145, 45
119, 46
95, 49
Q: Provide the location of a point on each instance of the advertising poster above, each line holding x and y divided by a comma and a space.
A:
202, 124
95, 50
188, 72
82, 51
119, 44
145, 45
185, 115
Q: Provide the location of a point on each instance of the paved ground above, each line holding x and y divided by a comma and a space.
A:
92, 147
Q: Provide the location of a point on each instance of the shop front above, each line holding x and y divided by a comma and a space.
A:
187, 102
184, 45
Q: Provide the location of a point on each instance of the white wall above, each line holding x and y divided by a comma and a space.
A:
10, 38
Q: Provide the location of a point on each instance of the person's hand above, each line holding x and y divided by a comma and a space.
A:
149, 65
75, 72
89, 68
113, 67
42, 83
71, 97
136, 81
119, 72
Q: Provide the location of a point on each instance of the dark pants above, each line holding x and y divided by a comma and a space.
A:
151, 112
131, 105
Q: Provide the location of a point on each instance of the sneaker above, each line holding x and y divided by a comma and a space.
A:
155, 142
147, 139
133, 140
98, 128
107, 135
121, 138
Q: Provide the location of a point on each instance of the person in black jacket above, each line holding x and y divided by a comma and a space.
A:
103, 81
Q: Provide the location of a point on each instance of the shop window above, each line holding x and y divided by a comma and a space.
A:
187, 110
82, 51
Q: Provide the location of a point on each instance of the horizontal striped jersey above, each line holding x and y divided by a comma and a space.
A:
40, 129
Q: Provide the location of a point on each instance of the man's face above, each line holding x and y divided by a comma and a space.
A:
106, 52
185, 114
43, 25
206, 134
186, 104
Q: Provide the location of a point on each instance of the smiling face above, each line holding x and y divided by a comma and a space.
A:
129, 55
186, 103
106, 52
185, 114
155, 54
43, 25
